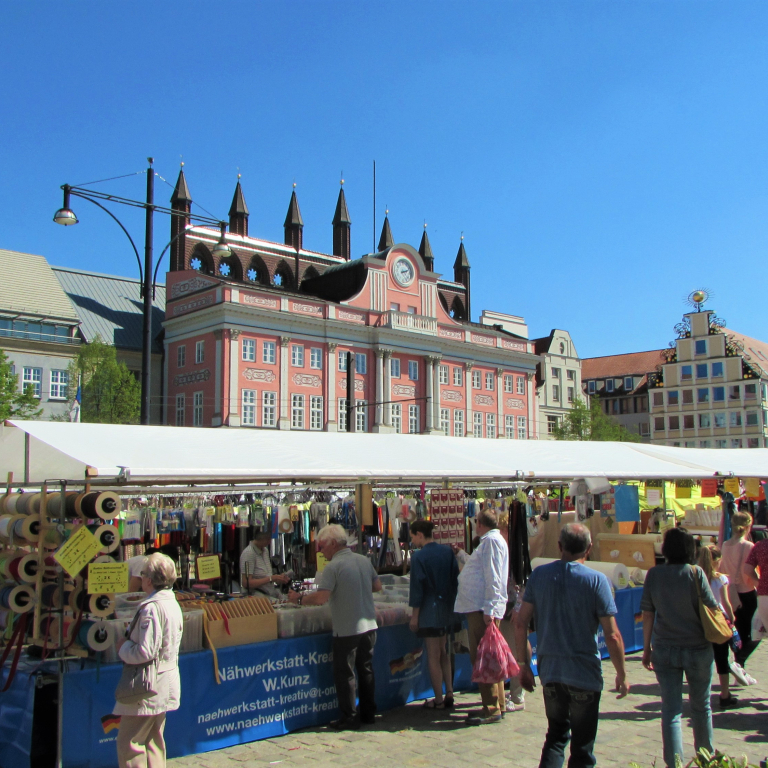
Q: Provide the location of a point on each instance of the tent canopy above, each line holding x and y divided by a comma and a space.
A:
36, 451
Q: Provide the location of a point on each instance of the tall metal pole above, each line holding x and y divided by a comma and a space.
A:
146, 345
351, 413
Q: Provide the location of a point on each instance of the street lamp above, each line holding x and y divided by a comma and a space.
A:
66, 217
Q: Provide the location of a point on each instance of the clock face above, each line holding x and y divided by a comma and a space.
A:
403, 272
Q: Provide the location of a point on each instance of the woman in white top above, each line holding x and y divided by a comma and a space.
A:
709, 560
156, 635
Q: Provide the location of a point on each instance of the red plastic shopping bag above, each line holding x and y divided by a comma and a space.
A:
495, 661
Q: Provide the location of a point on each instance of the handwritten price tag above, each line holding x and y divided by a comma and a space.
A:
208, 567
107, 578
77, 551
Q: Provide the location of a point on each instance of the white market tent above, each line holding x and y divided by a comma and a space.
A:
36, 451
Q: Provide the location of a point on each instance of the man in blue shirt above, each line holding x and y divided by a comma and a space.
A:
569, 602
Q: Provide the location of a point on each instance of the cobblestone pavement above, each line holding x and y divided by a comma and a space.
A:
412, 737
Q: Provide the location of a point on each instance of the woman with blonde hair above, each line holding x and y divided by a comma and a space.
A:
709, 562
154, 636
742, 595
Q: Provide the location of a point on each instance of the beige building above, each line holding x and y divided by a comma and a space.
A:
712, 391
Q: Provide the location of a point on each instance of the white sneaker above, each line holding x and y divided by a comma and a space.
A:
515, 706
750, 680
739, 673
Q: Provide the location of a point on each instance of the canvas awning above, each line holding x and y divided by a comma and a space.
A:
36, 451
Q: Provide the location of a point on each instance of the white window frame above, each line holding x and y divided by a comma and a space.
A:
316, 412
32, 375
609, 385
591, 387
297, 355
414, 419
556, 392
181, 355
458, 377
269, 409
361, 363
199, 352
521, 385
442, 374
197, 409
343, 360
59, 384
477, 381
397, 417
361, 415
490, 381
570, 394
249, 350
298, 404
719, 415
249, 399
490, 426
522, 428
413, 370
394, 367
269, 352
509, 427
181, 402
341, 404
445, 420
509, 384
477, 424
458, 423
628, 383
316, 358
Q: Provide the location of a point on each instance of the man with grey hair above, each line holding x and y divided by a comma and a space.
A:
569, 602
347, 582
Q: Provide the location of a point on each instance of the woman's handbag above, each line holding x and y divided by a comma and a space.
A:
138, 681
716, 628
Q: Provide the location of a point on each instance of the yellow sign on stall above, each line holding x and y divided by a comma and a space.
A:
78, 551
208, 567
731, 485
107, 578
321, 562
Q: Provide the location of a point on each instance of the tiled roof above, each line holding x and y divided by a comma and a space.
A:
30, 288
111, 307
757, 350
634, 364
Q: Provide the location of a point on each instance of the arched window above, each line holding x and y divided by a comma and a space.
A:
231, 268
309, 273
457, 309
257, 271
201, 260
283, 276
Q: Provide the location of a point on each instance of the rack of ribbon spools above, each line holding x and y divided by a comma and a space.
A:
41, 603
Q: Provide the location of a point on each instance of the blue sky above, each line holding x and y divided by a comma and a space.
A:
603, 159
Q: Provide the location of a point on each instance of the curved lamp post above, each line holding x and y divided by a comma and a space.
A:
66, 217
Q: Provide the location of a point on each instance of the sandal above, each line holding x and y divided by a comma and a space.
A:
432, 704
448, 701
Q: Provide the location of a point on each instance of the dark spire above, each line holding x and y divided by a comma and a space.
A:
294, 224
425, 250
180, 201
238, 212
342, 227
386, 240
461, 275
181, 192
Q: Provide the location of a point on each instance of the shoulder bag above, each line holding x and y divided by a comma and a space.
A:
138, 681
716, 628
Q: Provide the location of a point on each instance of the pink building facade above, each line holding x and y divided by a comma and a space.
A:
255, 352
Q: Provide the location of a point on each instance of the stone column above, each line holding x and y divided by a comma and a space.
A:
429, 391
388, 389
218, 375
284, 421
469, 425
331, 395
500, 427
378, 414
233, 410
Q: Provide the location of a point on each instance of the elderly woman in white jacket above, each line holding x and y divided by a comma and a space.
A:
156, 635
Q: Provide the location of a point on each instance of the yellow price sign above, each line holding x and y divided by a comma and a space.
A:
107, 578
731, 485
208, 567
77, 551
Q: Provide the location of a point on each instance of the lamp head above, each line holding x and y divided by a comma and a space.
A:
65, 215
221, 249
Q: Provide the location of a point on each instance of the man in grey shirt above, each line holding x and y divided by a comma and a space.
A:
347, 583
256, 563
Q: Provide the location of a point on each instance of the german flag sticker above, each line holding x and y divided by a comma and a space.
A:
110, 722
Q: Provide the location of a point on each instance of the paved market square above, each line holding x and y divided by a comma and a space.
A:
412, 737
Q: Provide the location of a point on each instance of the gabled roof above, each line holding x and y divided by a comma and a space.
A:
631, 364
111, 307
757, 350
30, 288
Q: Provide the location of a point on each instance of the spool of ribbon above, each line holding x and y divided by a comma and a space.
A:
78, 600
9, 503
50, 596
101, 605
51, 538
27, 568
104, 505
6, 558
54, 504
108, 536
19, 598
6, 521
28, 503
96, 635
27, 527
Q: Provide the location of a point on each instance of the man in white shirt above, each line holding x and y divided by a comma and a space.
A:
482, 597
259, 565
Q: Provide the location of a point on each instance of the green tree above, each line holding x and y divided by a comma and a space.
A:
584, 422
22, 405
110, 393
